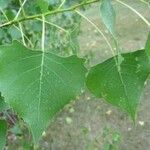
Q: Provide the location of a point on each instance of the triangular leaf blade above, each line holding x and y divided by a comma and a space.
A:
37, 85
124, 88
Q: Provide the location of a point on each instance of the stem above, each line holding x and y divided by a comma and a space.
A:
63, 2
97, 28
144, 2
135, 11
18, 29
21, 8
43, 33
48, 13
22, 34
53, 24
22, 4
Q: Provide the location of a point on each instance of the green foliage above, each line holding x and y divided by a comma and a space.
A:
3, 131
37, 85
108, 15
120, 88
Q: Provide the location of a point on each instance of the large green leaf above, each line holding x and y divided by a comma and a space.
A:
3, 130
37, 85
122, 87
108, 15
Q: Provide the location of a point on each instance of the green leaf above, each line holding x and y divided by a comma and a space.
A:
3, 130
124, 88
43, 5
108, 15
147, 46
38, 84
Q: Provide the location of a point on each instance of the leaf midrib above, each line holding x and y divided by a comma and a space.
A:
40, 83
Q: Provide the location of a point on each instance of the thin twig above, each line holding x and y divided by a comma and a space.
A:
22, 34
21, 4
97, 28
63, 2
48, 13
18, 13
144, 2
18, 29
135, 11
20, 25
53, 24
43, 34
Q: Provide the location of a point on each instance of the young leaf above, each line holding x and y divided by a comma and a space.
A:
37, 85
108, 15
3, 130
122, 89
147, 46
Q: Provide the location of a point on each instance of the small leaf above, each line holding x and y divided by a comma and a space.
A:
122, 87
147, 46
108, 15
38, 84
3, 131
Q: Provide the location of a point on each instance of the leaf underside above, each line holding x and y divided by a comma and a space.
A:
121, 88
37, 85
108, 15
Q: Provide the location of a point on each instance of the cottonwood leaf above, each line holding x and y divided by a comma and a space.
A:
124, 88
38, 84
147, 46
108, 15
3, 130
